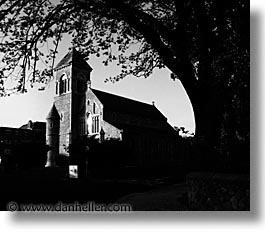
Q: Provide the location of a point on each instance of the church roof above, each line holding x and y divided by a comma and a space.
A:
72, 57
126, 105
53, 113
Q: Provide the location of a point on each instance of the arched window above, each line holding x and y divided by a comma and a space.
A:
94, 108
63, 84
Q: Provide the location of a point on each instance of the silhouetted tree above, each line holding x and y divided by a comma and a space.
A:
205, 43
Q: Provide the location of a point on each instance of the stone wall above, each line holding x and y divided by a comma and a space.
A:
63, 106
222, 192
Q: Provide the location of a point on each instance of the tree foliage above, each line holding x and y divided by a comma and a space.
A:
172, 33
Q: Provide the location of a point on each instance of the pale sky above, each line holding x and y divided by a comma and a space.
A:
169, 96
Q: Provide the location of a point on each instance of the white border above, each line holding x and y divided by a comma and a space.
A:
189, 221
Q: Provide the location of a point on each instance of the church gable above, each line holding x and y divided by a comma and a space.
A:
94, 113
96, 121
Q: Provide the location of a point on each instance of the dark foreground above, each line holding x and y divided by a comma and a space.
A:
48, 191
198, 191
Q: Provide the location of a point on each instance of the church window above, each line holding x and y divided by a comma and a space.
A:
94, 108
88, 102
63, 83
95, 124
61, 87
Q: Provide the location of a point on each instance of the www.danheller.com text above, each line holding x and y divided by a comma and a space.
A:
68, 207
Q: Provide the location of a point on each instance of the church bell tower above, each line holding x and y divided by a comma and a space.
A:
72, 80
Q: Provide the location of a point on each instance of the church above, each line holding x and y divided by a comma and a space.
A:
81, 111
